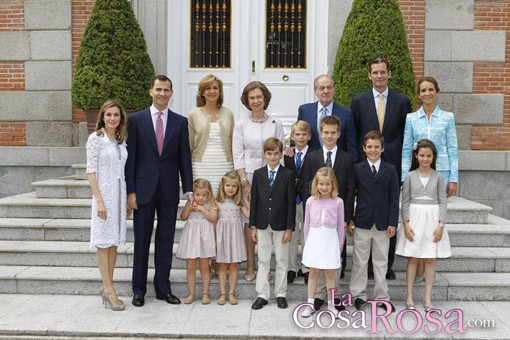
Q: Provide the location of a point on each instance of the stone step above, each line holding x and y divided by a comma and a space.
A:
29, 206
494, 234
44, 229
461, 210
80, 254
64, 187
86, 281
80, 171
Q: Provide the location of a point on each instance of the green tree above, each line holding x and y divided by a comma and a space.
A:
374, 28
113, 61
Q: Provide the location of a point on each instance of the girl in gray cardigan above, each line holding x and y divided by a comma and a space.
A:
423, 215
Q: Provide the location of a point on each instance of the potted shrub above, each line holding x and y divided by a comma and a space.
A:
112, 61
374, 28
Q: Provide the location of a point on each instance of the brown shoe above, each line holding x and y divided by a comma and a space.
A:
206, 299
189, 299
222, 299
232, 299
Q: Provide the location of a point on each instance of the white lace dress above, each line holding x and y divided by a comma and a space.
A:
106, 159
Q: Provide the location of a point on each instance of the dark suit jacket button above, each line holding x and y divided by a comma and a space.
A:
269, 208
270, 199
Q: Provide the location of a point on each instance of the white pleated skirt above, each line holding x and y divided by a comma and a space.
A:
322, 249
423, 219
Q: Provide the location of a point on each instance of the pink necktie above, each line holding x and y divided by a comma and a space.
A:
159, 132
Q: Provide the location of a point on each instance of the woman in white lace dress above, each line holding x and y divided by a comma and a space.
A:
210, 127
106, 157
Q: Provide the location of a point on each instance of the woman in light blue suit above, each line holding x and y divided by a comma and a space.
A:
432, 123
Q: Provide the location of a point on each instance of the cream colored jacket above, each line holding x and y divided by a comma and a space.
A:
199, 125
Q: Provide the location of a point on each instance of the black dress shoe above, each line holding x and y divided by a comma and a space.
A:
317, 303
169, 298
138, 301
342, 274
390, 275
300, 273
339, 307
291, 275
383, 306
359, 303
305, 275
281, 302
259, 303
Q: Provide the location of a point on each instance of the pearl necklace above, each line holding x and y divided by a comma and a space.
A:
260, 121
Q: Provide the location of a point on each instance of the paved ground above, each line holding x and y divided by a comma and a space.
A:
73, 316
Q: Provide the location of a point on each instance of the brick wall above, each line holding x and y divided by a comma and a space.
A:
413, 13
12, 76
12, 73
493, 15
81, 11
13, 134
12, 15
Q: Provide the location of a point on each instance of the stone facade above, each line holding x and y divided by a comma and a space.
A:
463, 43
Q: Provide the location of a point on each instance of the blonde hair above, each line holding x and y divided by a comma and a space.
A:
324, 172
201, 183
302, 126
222, 196
206, 81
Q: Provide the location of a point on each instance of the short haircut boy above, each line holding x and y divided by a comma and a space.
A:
330, 120
272, 144
301, 125
373, 135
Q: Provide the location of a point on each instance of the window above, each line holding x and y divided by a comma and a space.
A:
210, 34
286, 34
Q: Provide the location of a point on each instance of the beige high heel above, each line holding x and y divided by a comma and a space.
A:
109, 304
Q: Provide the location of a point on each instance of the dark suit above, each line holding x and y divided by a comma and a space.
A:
347, 140
365, 118
290, 164
155, 180
274, 206
344, 173
376, 197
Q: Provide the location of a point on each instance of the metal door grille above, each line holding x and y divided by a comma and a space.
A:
210, 34
286, 34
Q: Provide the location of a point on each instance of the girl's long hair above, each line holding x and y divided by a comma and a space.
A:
423, 144
222, 196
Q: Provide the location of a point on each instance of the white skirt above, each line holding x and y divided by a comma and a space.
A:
322, 249
423, 219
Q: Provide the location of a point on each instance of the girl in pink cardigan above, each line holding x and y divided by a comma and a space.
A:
324, 234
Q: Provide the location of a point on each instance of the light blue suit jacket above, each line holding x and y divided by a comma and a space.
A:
441, 131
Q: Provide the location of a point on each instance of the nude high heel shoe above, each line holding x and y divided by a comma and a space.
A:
109, 304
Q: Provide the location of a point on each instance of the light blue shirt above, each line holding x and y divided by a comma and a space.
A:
442, 132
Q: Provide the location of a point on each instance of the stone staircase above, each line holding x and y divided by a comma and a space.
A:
44, 249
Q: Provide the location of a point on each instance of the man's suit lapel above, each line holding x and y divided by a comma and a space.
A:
313, 123
390, 105
170, 129
148, 127
370, 101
